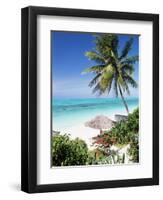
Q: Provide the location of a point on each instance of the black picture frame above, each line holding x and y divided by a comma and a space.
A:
29, 99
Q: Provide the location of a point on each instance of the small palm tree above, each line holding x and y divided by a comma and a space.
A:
114, 69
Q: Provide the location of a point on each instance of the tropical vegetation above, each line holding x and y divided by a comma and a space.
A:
67, 152
114, 69
124, 133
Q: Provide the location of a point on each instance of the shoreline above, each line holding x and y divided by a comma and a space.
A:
71, 112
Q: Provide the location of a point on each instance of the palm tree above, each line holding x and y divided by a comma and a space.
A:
114, 69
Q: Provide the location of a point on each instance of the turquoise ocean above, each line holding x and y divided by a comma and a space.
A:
71, 112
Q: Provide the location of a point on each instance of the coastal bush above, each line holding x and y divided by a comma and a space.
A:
133, 151
99, 156
95, 157
123, 133
66, 152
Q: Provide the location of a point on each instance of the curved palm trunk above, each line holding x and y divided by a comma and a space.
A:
123, 99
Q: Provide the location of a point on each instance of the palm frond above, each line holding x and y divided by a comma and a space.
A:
106, 44
97, 89
127, 68
130, 60
130, 80
94, 80
126, 88
94, 69
115, 43
126, 48
92, 55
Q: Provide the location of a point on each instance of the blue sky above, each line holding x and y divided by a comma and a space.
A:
69, 60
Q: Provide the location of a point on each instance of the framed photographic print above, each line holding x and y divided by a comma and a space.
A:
90, 99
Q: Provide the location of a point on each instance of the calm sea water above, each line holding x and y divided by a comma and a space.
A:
70, 112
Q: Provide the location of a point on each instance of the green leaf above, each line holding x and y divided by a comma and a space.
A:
131, 60
94, 80
92, 55
126, 48
94, 69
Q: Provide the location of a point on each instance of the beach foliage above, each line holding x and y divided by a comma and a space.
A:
123, 133
99, 156
114, 69
66, 151
95, 156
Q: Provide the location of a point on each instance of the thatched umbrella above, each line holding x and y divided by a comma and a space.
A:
100, 122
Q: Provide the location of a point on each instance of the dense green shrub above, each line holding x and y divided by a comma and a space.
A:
133, 151
66, 152
99, 156
123, 133
95, 157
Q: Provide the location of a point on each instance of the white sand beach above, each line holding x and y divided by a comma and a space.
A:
86, 133
82, 132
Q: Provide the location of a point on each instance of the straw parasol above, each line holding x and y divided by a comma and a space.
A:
100, 122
